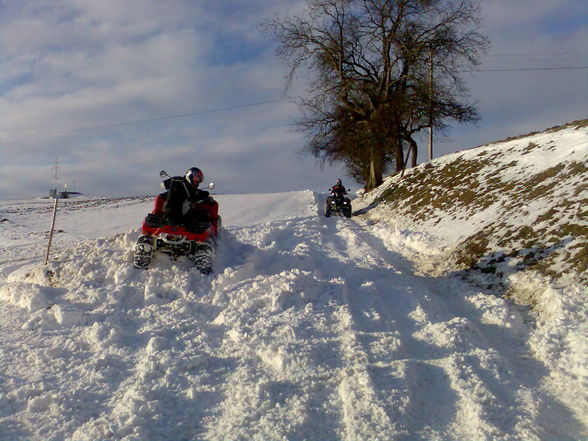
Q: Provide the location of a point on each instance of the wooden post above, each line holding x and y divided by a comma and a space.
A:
51, 230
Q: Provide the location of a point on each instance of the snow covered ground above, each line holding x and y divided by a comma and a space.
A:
310, 329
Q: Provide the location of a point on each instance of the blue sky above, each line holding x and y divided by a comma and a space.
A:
73, 73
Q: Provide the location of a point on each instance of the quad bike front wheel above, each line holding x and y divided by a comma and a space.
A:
143, 252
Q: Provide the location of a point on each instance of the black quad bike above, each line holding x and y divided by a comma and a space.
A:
338, 205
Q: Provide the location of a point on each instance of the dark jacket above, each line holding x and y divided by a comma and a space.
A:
178, 192
338, 191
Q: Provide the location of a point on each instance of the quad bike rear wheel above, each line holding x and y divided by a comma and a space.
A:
203, 256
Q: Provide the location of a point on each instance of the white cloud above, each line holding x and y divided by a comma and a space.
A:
509, 19
74, 64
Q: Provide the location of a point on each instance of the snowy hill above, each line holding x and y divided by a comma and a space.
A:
511, 206
510, 217
310, 329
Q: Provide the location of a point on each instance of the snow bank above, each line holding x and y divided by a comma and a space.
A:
507, 216
560, 339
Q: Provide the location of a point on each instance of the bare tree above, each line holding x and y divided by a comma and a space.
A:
368, 75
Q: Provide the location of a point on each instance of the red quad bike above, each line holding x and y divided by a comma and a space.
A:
195, 239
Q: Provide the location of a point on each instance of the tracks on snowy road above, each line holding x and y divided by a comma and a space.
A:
312, 329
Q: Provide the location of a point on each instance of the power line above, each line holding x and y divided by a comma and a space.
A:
527, 69
139, 121
545, 37
242, 106
537, 54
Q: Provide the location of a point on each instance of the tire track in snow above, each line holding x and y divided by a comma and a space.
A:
365, 386
312, 329
364, 411
279, 312
464, 377
311, 255
442, 376
373, 326
437, 403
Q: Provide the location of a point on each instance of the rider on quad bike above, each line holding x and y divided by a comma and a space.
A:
184, 204
184, 221
338, 202
338, 190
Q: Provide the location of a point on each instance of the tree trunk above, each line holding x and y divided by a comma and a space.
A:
413, 150
399, 156
376, 170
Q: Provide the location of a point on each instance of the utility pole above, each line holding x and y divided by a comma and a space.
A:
51, 230
431, 104
55, 195
55, 169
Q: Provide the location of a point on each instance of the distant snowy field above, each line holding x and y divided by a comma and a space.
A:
310, 329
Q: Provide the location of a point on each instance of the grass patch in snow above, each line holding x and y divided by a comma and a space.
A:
520, 202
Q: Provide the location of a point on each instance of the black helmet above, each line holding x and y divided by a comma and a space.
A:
339, 182
194, 176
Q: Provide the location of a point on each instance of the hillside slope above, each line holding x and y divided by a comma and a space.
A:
511, 217
511, 206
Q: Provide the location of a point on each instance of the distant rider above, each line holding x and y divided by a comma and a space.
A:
184, 203
339, 190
